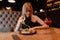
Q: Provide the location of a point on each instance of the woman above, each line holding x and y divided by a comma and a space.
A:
29, 19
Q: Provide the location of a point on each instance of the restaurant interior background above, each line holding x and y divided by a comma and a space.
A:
51, 8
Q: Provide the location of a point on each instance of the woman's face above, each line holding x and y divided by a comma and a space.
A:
28, 10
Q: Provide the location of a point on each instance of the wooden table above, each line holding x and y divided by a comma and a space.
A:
42, 34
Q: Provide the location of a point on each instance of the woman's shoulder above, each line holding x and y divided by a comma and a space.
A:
34, 16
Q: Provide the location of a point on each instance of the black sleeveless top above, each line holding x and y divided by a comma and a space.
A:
28, 22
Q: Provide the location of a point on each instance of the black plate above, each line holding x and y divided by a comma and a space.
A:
27, 33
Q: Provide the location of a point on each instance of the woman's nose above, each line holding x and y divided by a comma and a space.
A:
28, 12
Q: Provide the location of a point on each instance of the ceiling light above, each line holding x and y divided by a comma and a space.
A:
8, 8
0, 0
41, 10
35, 11
11, 1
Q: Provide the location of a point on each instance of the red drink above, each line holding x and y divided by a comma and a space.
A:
48, 21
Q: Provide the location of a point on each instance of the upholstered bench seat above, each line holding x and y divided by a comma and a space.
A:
8, 19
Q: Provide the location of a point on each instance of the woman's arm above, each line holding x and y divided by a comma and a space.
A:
41, 22
20, 21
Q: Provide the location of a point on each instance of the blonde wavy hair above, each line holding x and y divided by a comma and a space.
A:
24, 8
